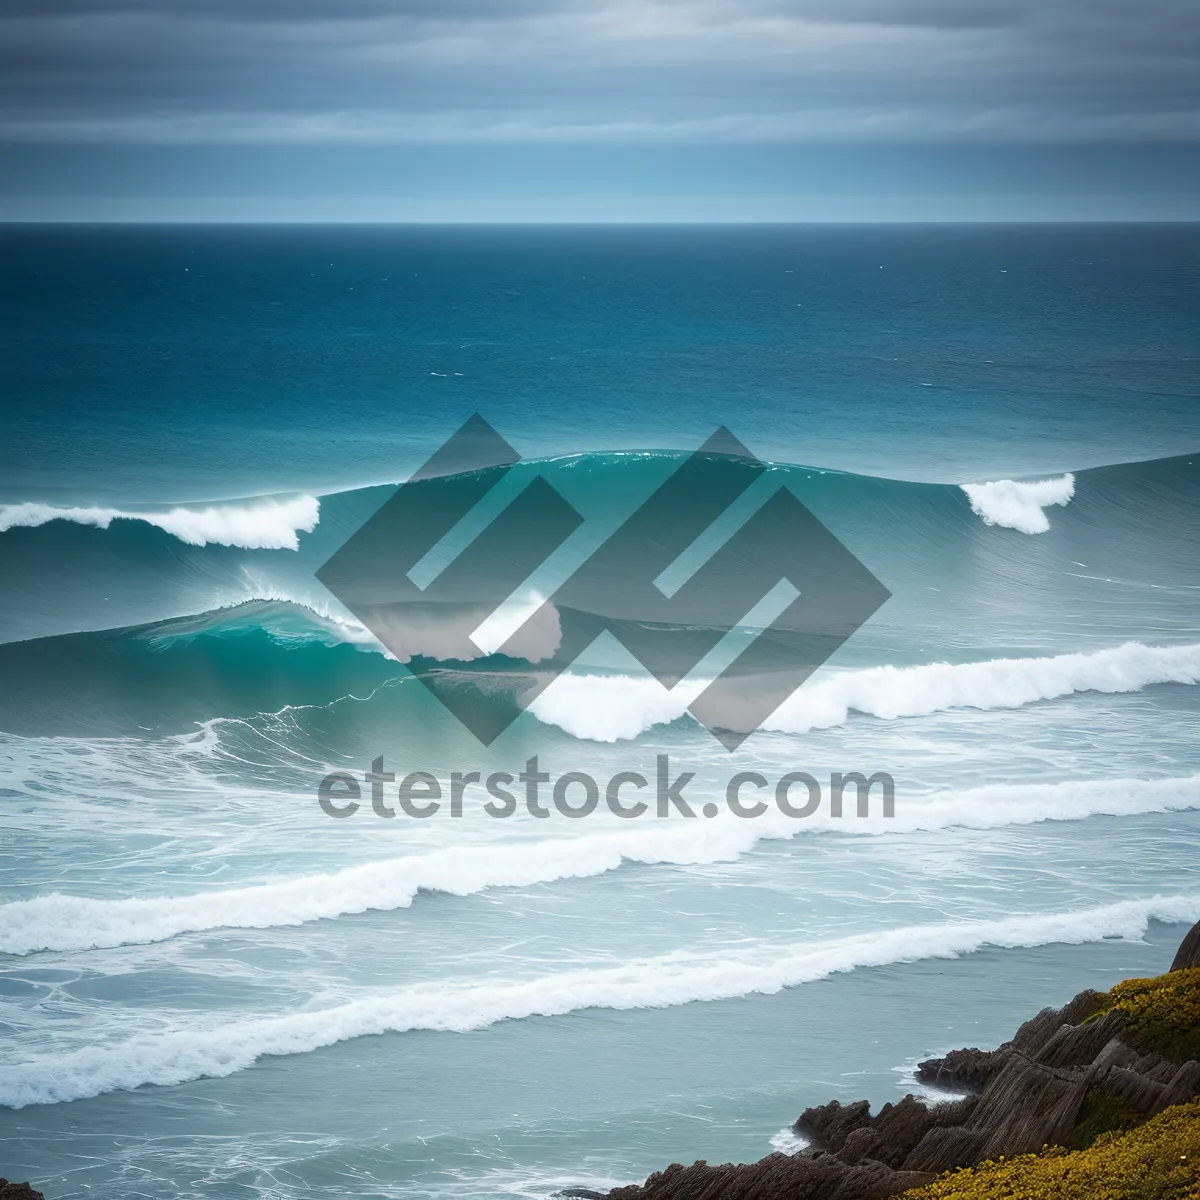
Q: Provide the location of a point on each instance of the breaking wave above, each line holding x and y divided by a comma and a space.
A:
264, 524
1019, 505
178, 1055
59, 922
608, 708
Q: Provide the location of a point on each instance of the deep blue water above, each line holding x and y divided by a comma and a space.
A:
209, 988
198, 364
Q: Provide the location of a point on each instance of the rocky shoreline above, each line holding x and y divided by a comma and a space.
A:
18, 1191
1067, 1076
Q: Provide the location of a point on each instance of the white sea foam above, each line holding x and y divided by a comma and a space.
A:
177, 1055
788, 1141
998, 805
892, 692
608, 708
912, 1085
59, 922
1019, 505
266, 524
612, 708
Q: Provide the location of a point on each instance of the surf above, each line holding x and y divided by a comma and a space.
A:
266, 524
179, 1055
58, 922
619, 707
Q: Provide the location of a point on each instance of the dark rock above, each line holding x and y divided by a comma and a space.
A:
966, 1069
18, 1191
1117, 1054
946, 1147
1067, 1076
1153, 1066
1038, 1032
1148, 1095
1189, 952
1083, 1007
972, 1070
829, 1125
777, 1177
892, 1136
1028, 1106
1079, 1045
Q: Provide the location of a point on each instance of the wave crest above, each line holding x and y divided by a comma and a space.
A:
59, 922
266, 524
182, 1054
608, 708
1019, 505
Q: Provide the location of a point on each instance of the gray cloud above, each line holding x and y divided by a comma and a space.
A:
595, 70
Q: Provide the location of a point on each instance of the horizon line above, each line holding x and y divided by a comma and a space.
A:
60, 222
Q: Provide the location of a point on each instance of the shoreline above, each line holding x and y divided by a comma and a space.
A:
1071, 1081
1105, 1065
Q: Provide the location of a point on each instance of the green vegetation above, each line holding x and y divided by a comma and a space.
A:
1159, 1160
1112, 1154
1161, 1014
1101, 1113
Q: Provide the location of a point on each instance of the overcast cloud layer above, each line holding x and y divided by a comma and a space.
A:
454, 71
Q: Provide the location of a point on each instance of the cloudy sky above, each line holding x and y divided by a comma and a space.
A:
599, 109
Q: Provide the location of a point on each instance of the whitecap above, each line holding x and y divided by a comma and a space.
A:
788, 1141
61, 922
269, 523
1016, 505
609, 708
177, 1055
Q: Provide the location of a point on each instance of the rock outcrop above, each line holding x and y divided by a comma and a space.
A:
796, 1177
18, 1191
1189, 951
1067, 1076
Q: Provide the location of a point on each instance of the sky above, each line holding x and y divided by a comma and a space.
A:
597, 110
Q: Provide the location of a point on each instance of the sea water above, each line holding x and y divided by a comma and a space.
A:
211, 988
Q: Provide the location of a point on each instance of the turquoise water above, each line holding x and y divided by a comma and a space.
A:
209, 988
199, 364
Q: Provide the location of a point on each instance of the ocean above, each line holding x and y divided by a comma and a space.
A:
209, 987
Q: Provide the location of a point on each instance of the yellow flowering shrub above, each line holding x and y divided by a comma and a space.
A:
1163, 1013
1159, 1160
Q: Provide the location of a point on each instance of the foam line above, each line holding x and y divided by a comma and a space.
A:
267, 524
608, 708
59, 922
178, 1055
